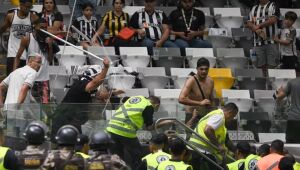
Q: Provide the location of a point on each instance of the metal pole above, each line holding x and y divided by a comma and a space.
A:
64, 41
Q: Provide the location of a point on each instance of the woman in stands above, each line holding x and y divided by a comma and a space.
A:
114, 21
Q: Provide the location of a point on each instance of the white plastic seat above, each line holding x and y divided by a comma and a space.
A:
168, 57
265, 101
136, 92
193, 54
297, 11
233, 58
209, 19
240, 97
179, 76
102, 52
280, 77
121, 81
59, 81
269, 137
120, 70
70, 56
228, 17
153, 78
243, 39
219, 38
132, 9
134, 56
169, 100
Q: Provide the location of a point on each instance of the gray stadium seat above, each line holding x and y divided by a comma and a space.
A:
233, 58
280, 77
134, 56
243, 39
137, 92
102, 52
209, 19
269, 137
265, 102
69, 56
179, 76
228, 17
240, 97
193, 54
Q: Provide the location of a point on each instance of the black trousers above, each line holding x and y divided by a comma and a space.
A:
292, 134
10, 64
130, 145
199, 163
289, 62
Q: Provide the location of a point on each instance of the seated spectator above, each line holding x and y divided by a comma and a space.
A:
114, 21
87, 24
271, 161
79, 3
188, 24
151, 26
287, 42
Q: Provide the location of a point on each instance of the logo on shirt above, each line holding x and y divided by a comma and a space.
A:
252, 164
170, 167
161, 158
135, 100
20, 30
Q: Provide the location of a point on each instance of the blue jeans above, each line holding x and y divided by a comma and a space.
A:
150, 44
196, 43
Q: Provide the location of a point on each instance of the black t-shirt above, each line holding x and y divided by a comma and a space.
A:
148, 115
10, 160
177, 21
77, 93
56, 16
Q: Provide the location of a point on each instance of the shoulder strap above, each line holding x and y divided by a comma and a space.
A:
198, 83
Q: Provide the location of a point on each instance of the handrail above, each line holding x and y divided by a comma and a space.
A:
193, 132
200, 153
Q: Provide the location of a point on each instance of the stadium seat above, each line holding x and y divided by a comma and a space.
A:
240, 97
209, 19
250, 79
134, 56
265, 101
280, 77
222, 79
70, 56
153, 78
169, 100
212, 4
102, 10
59, 77
168, 57
193, 54
102, 52
136, 92
167, 10
179, 76
228, 17
269, 137
59, 94
297, 11
243, 39
132, 9
233, 58
219, 38
121, 81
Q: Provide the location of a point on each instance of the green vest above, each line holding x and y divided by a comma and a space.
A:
251, 161
85, 156
296, 166
3, 151
220, 133
128, 118
236, 165
172, 165
153, 159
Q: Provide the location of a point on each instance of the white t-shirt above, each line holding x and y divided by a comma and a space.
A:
15, 81
215, 121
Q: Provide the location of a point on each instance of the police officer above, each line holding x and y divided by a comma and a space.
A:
82, 147
64, 157
178, 152
243, 150
212, 128
34, 154
101, 157
131, 116
156, 146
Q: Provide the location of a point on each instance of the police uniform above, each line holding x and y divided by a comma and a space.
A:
63, 159
106, 161
237, 165
32, 157
8, 159
173, 165
251, 161
130, 117
153, 159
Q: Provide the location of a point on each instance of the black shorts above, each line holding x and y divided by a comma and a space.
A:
292, 134
289, 62
10, 64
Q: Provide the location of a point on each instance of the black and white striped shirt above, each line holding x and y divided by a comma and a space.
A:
260, 14
87, 27
152, 24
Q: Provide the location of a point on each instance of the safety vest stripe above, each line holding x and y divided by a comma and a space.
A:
130, 110
273, 165
121, 129
127, 117
199, 146
122, 120
150, 168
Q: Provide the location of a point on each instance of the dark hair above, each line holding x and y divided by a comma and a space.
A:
202, 62
24, 1
177, 146
244, 148
286, 163
159, 139
231, 107
277, 145
87, 4
154, 99
55, 6
122, 1
291, 15
264, 150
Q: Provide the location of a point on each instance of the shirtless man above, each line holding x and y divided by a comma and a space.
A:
197, 103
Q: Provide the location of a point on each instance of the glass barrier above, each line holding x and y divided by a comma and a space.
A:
94, 117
